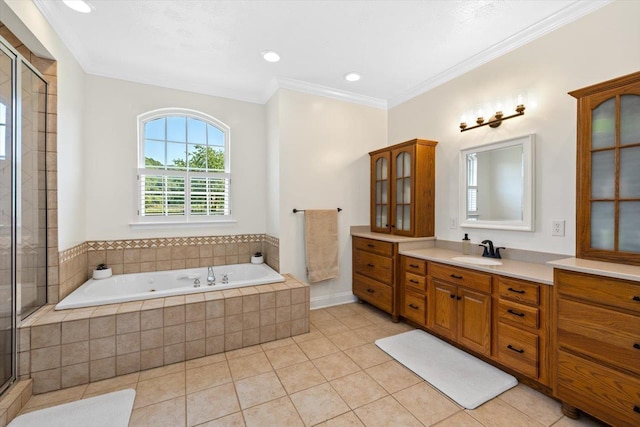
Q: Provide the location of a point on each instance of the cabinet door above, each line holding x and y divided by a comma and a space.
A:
474, 320
442, 308
381, 192
402, 208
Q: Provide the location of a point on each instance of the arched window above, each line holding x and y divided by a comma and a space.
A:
183, 167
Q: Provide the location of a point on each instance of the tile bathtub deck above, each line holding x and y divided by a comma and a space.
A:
332, 376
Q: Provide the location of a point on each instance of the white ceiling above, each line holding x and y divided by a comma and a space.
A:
401, 48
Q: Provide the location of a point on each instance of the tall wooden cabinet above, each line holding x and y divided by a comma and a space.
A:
403, 189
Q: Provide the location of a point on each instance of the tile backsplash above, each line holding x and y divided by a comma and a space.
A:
145, 255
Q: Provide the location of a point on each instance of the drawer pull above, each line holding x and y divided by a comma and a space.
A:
517, 350
516, 291
453, 296
413, 281
455, 277
636, 298
371, 291
636, 345
515, 313
636, 409
415, 307
370, 265
458, 298
370, 245
413, 266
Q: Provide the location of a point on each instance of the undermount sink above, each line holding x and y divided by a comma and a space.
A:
476, 260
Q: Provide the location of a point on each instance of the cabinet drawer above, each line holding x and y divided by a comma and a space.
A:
374, 266
521, 315
414, 307
471, 279
519, 290
599, 289
518, 349
606, 393
606, 335
373, 292
414, 281
415, 266
374, 246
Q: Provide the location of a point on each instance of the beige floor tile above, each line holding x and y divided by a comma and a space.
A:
233, 420
497, 413
541, 408
161, 371
313, 334
277, 343
336, 365
396, 328
345, 420
372, 333
112, 384
318, 404
281, 357
30, 408
583, 421
300, 377
358, 389
426, 403
392, 376
241, 352
331, 327
207, 376
248, 366
208, 360
279, 412
460, 419
341, 311
170, 413
345, 340
211, 404
318, 347
367, 355
355, 321
320, 315
386, 412
159, 389
375, 315
259, 389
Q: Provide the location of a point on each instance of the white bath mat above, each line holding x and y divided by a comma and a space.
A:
107, 410
465, 379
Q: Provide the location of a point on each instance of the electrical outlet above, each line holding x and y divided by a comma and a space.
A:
557, 227
453, 223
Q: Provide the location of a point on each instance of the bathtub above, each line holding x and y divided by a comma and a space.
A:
140, 286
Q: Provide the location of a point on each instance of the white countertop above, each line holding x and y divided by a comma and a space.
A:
390, 237
540, 273
609, 269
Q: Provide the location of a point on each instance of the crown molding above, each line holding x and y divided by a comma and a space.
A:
540, 28
329, 92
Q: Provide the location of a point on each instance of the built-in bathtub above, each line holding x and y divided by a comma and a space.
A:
143, 286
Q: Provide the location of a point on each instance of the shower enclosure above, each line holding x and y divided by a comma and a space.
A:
23, 200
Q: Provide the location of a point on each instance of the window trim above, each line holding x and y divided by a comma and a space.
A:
186, 219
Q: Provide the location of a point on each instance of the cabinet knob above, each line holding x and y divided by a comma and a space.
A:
636, 345
370, 245
517, 350
515, 313
370, 265
453, 296
636, 298
636, 409
370, 290
458, 298
517, 291
455, 277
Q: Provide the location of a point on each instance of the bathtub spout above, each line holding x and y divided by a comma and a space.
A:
211, 277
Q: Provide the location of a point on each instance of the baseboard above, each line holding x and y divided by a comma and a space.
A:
333, 299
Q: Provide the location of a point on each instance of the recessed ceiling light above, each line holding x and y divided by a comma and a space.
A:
78, 5
270, 56
352, 77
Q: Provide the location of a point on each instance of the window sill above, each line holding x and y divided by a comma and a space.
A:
171, 224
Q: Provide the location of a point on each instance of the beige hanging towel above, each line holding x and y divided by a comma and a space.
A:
321, 244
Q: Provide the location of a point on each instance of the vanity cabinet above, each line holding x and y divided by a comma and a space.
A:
459, 306
374, 273
403, 189
413, 281
521, 315
597, 345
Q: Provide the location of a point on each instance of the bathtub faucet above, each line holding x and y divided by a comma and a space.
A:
225, 278
211, 277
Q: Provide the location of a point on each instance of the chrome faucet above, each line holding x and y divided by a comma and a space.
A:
489, 251
225, 278
211, 277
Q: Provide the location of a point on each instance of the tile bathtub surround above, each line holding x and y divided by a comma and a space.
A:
332, 376
13, 400
62, 349
145, 255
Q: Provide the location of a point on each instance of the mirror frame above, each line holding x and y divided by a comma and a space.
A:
528, 209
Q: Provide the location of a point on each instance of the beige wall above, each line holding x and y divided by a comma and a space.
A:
323, 164
598, 47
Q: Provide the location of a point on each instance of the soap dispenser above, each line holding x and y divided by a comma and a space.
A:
466, 244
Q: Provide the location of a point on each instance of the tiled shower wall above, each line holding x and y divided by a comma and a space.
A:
145, 255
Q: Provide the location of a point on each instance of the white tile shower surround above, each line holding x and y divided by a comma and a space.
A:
332, 376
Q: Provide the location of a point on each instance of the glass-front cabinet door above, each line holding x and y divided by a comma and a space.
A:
381, 192
608, 179
402, 215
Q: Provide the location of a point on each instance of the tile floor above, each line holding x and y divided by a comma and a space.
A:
332, 376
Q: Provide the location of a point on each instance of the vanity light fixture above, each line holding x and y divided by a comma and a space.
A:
352, 77
78, 5
270, 56
495, 120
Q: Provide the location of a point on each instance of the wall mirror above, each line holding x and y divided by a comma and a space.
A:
496, 185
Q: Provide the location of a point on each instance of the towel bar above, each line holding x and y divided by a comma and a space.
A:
302, 210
